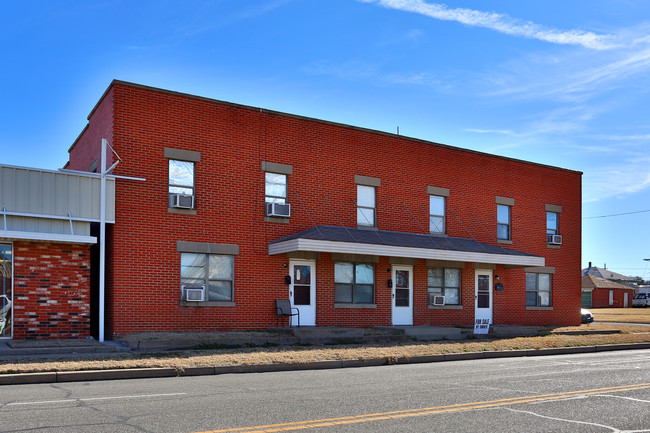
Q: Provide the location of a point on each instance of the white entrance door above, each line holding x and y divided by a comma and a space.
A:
625, 300
483, 299
402, 295
302, 291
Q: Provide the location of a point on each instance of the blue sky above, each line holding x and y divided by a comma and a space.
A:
555, 82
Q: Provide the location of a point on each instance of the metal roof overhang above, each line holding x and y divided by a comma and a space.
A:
328, 246
49, 237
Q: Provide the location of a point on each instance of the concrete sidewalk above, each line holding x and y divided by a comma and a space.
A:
156, 342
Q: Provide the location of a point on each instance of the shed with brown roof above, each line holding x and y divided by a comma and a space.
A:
600, 292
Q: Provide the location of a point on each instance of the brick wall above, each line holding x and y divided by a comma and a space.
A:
51, 290
600, 298
234, 140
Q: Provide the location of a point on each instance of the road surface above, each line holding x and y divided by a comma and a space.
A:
598, 392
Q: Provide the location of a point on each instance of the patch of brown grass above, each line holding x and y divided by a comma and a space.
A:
625, 315
295, 354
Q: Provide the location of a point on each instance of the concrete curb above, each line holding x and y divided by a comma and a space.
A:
148, 373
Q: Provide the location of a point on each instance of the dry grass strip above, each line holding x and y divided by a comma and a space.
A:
181, 359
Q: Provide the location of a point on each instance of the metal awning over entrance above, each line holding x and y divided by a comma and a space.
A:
343, 240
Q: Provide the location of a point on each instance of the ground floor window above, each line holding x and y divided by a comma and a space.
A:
354, 283
538, 290
444, 282
6, 295
215, 272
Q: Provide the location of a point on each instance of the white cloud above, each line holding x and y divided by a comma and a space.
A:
501, 23
493, 131
622, 179
639, 137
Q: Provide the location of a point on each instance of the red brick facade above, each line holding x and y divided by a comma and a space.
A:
600, 298
51, 290
143, 284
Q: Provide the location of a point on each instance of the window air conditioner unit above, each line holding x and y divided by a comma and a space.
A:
438, 300
278, 210
193, 293
554, 239
182, 201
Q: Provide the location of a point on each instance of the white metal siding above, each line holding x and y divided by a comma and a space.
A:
51, 193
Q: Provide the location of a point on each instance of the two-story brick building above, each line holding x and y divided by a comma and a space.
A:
241, 206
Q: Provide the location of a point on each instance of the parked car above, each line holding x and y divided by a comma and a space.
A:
587, 317
641, 300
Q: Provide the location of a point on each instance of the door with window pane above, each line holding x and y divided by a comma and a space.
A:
302, 291
483, 300
6, 290
402, 294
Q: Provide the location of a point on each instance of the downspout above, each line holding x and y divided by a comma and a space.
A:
102, 242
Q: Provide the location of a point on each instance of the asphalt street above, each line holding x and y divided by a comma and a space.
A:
597, 392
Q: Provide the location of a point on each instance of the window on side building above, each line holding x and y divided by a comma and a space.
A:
503, 222
181, 184
366, 209
275, 187
538, 290
552, 223
444, 282
437, 214
214, 271
354, 283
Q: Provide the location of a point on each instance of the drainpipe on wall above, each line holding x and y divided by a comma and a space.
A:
102, 241
102, 229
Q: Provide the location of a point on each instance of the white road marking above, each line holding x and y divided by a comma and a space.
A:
613, 429
625, 398
74, 400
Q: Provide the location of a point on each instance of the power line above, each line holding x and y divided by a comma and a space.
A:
616, 214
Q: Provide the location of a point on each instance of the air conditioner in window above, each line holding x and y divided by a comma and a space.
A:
181, 201
193, 293
439, 300
554, 239
278, 210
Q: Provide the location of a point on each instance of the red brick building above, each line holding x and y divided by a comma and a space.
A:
241, 206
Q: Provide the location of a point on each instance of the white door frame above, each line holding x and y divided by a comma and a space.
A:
483, 313
307, 312
10, 314
402, 315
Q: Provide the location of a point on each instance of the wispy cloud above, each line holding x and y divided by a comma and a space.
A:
494, 131
619, 181
611, 137
501, 23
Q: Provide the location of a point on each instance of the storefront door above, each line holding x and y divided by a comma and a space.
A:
6, 292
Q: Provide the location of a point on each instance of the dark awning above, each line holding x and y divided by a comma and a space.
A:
397, 244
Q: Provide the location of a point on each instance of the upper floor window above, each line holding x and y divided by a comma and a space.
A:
444, 282
366, 206
552, 223
215, 272
503, 222
436, 214
181, 183
538, 290
354, 283
275, 187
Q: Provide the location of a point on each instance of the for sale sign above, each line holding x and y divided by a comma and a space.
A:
481, 326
